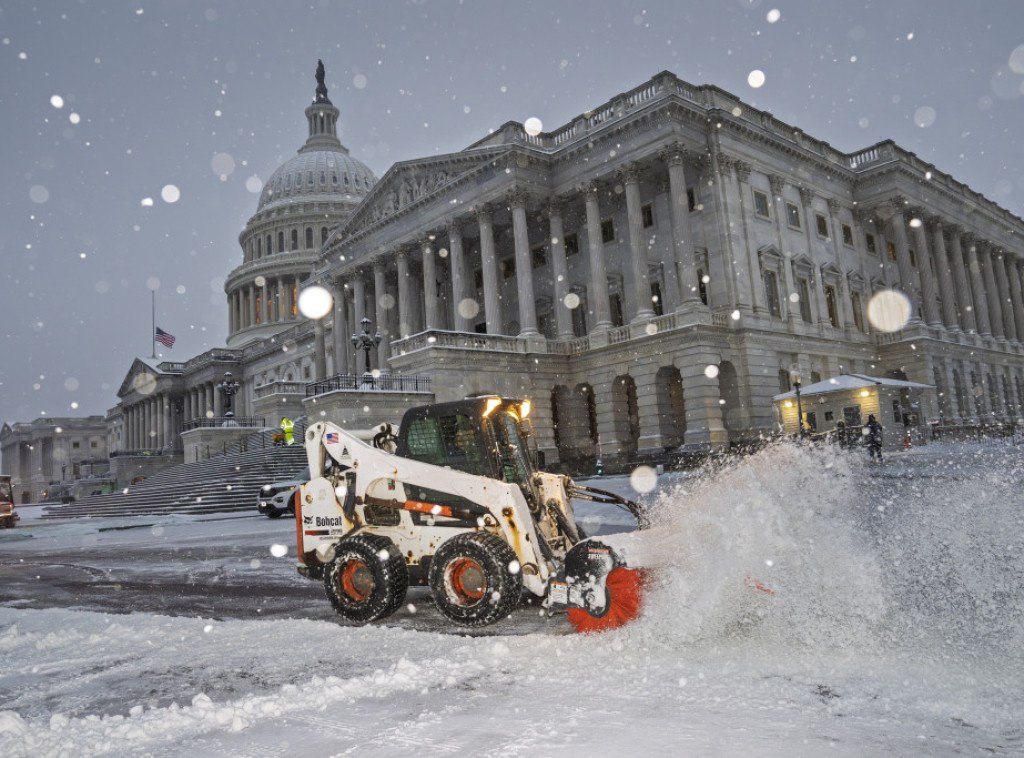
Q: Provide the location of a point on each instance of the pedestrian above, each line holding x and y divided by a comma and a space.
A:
841, 433
873, 432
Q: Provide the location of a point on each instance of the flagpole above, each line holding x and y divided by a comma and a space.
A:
152, 332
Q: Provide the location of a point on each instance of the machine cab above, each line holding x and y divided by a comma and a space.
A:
486, 436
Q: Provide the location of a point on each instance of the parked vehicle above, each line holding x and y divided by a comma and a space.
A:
279, 498
8, 516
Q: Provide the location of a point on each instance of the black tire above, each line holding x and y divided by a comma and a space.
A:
367, 579
273, 512
471, 580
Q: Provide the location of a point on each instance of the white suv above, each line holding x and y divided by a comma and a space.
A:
279, 497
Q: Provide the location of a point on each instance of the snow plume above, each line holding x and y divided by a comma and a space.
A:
765, 550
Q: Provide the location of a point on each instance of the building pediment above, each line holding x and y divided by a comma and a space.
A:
413, 183
141, 378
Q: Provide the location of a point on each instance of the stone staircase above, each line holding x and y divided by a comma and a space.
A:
220, 484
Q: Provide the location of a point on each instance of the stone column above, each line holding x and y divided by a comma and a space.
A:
845, 304
1013, 264
341, 331
560, 271
218, 400
460, 293
402, 268
637, 244
430, 311
981, 311
166, 436
995, 311
597, 297
489, 263
319, 352
682, 235
380, 314
359, 301
942, 266
999, 259
961, 281
279, 298
899, 240
251, 289
524, 266
929, 291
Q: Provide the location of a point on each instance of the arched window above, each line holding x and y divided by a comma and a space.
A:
323, 234
323, 178
280, 242
309, 236
295, 239
270, 244
259, 247
309, 179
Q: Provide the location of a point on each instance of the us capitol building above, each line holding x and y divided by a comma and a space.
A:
647, 274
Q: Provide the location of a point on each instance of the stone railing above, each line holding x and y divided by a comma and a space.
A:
213, 422
499, 343
280, 388
369, 383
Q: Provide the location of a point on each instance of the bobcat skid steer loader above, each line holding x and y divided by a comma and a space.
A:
456, 502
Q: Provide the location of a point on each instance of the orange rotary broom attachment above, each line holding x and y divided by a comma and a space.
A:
596, 588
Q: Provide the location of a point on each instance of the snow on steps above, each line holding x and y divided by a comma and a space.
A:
219, 484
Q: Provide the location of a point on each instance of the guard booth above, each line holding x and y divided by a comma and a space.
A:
840, 406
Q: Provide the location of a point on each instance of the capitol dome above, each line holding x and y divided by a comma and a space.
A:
317, 175
307, 197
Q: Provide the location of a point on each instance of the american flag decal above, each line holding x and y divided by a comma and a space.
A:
331, 437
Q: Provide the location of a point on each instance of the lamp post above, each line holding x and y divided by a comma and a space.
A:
794, 377
228, 387
366, 342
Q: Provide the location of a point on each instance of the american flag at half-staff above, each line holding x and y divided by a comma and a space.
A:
164, 338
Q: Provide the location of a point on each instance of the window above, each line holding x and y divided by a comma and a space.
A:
761, 204
572, 244
822, 223
691, 199
539, 256
259, 247
478, 278
295, 239
280, 242
869, 240
804, 290
659, 307
323, 234
913, 258
309, 236
270, 244
830, 302
647, 214
309, 179
891, 248
508, 268
784, 385
702, 285
792, 215
305, 372
615, 303
858, 318
75, 445
771, 292
607, 231
847, 235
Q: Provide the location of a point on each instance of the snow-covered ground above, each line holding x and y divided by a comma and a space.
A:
895, 626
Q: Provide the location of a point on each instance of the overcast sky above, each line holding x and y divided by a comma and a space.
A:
106, 104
